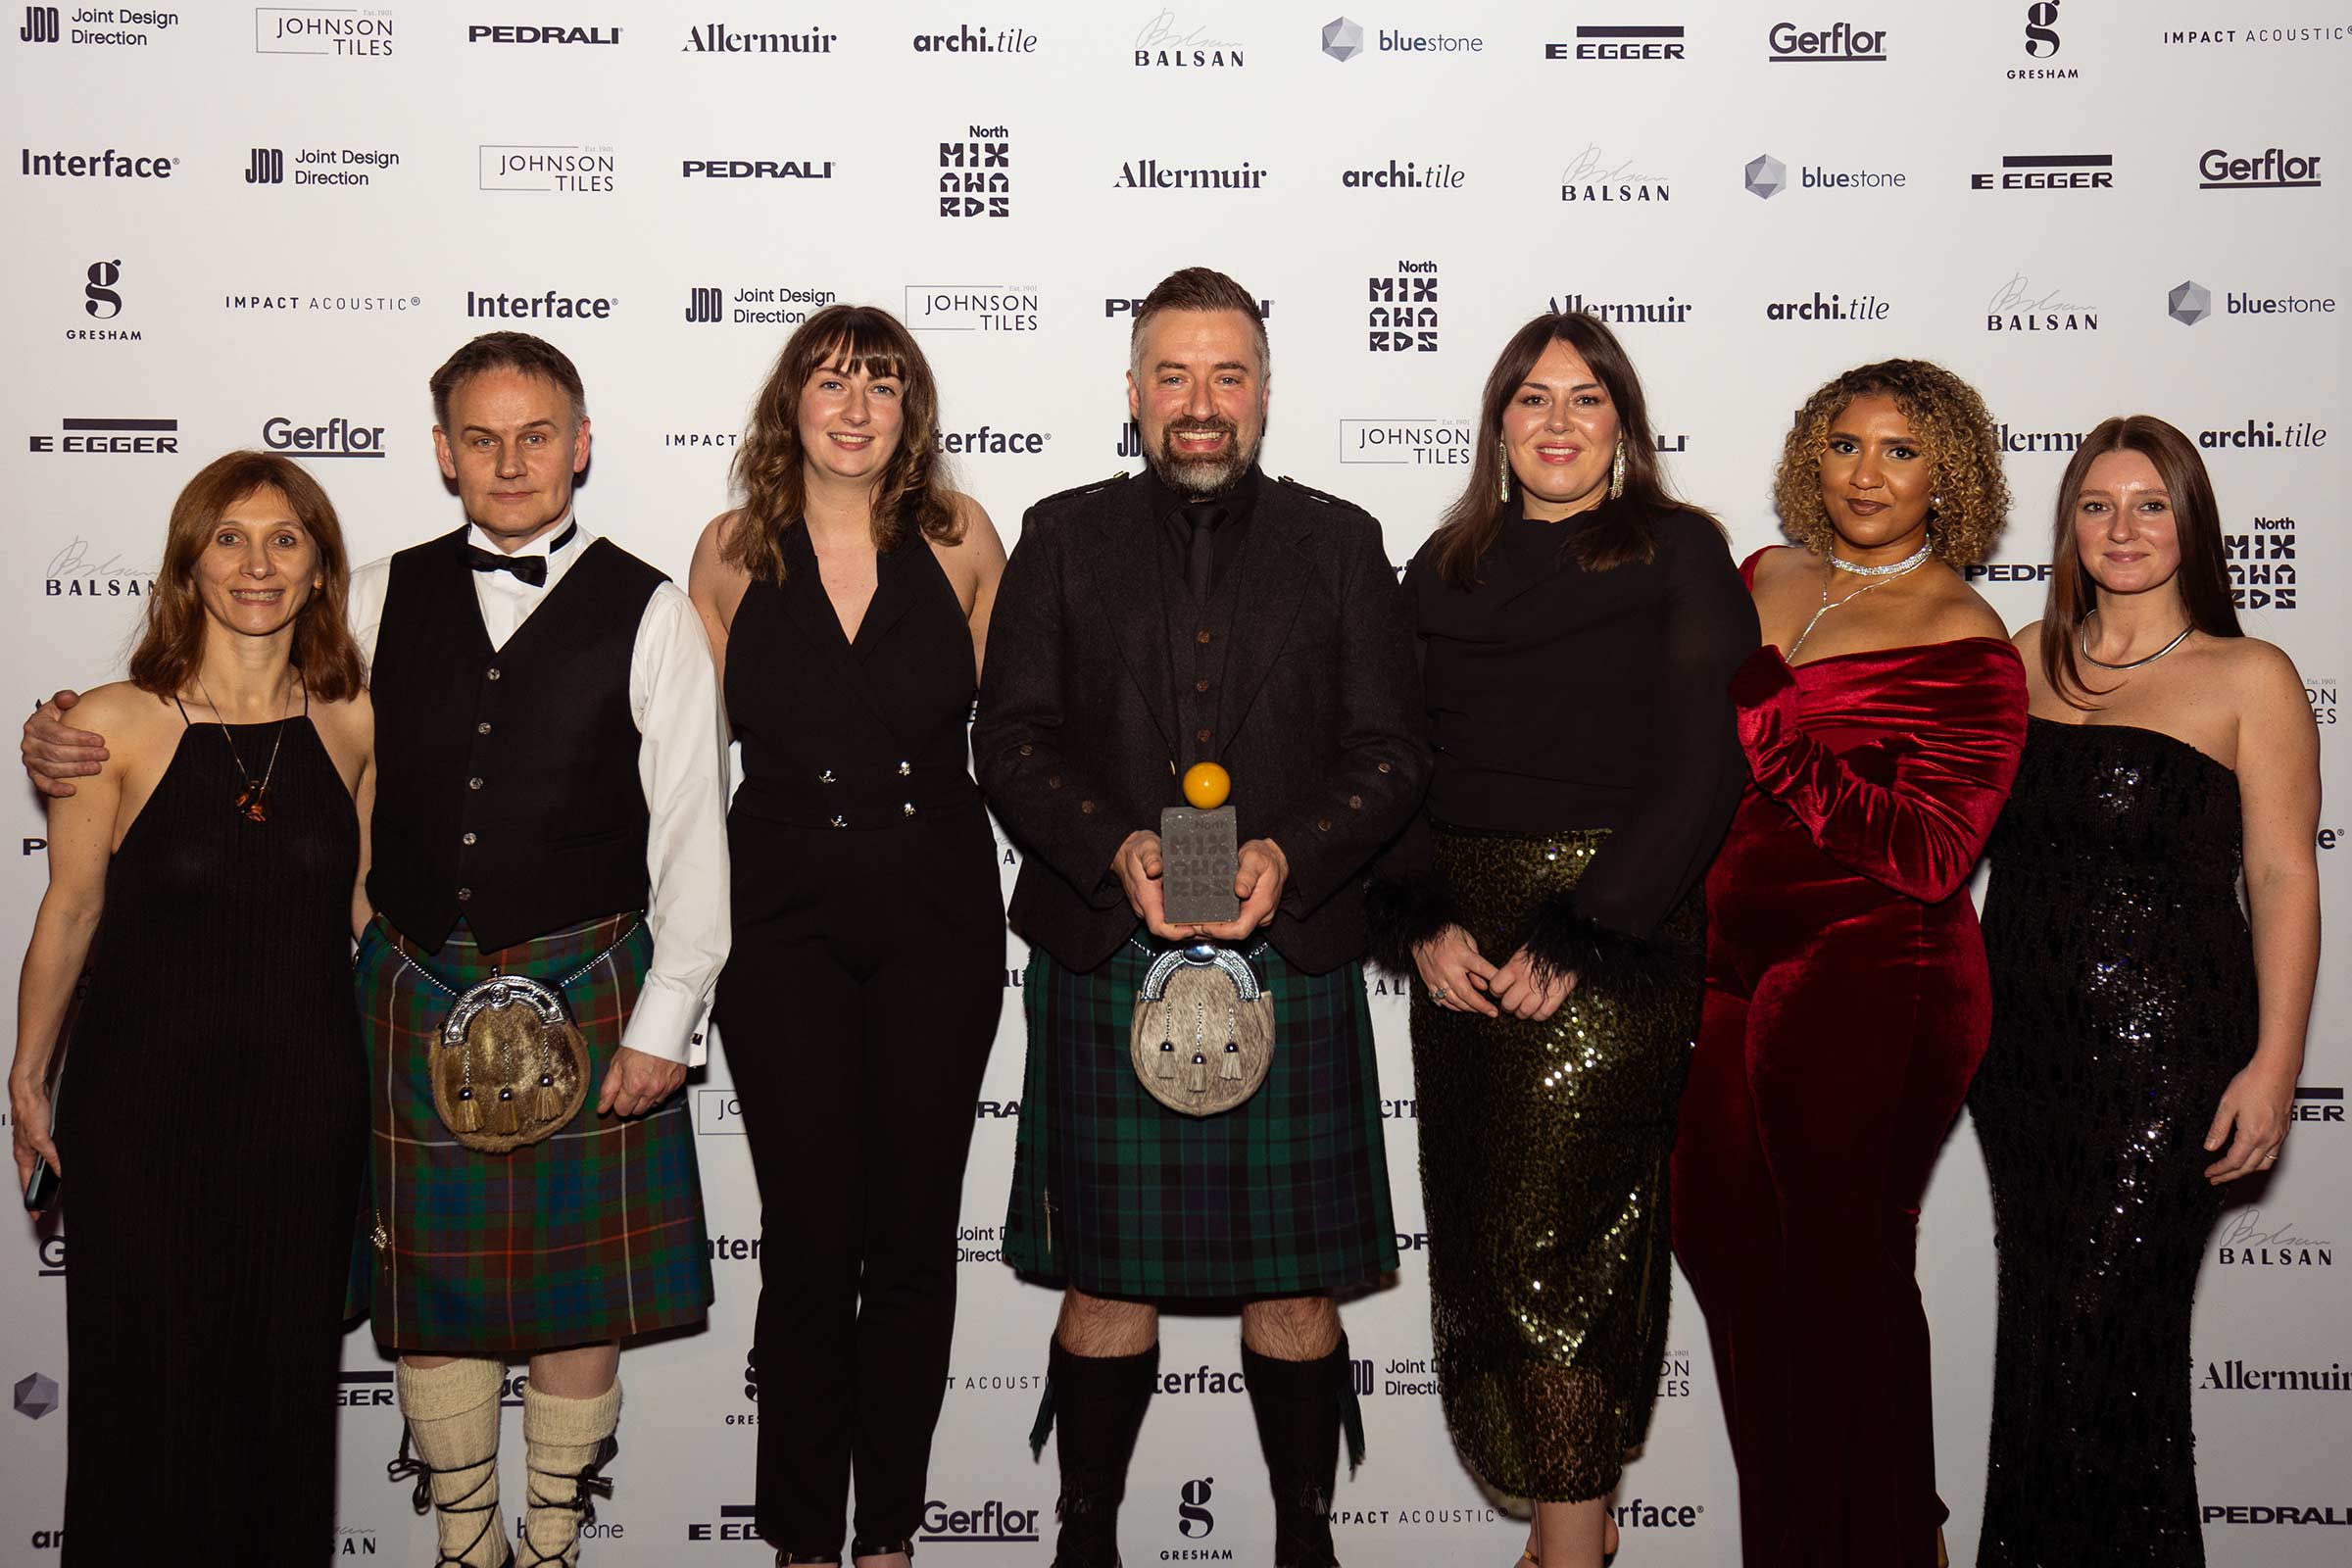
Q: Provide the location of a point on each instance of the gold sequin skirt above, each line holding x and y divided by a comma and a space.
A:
1545, 1151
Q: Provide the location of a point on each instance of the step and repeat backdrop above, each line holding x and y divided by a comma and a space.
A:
240, 225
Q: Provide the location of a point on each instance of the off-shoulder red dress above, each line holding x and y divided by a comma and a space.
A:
1846, 1009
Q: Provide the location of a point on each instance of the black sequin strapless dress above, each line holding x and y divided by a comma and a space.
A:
2123, 1004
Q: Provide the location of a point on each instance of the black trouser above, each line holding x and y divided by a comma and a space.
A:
857, 1010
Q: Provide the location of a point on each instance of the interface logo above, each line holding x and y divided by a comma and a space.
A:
1404, 313
2189, 302
1343, 39
548, 306
1844, 44
36, 1396
1193, 1521
336, 438
106, 164
345, 31
1623, 43
975, 178
101, 300
1766, 177
2276, 169
541, 168
2049, 171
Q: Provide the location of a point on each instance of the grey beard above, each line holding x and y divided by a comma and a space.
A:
1194, 476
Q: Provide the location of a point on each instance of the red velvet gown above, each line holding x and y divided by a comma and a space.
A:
1846, 1009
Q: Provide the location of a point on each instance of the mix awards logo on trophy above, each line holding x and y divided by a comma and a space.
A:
1204, 1031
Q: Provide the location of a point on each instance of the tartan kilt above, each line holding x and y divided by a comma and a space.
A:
594, 1233
1115, 1194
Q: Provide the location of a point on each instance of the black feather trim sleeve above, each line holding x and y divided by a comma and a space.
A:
1561, 941
1403, 910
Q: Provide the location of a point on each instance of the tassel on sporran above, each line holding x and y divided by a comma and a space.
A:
1203, 1037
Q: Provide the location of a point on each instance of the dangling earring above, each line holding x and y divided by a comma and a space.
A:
1503, 477
1617, 471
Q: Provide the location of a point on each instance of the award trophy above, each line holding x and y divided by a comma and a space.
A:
1200, 852
1201, 1040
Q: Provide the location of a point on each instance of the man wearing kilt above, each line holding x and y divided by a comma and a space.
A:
1199, 612
551, 804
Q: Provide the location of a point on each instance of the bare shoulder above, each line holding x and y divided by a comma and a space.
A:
976, 536
2028, 639
1776, 563
2260, 678
709, 551
352, 720
1954, 610
120, 708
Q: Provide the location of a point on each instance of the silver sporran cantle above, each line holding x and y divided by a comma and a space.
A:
1204, 1031
509, 1066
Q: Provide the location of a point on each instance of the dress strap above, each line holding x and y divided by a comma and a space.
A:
184, 719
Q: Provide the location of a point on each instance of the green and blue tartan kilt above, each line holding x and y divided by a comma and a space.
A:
1115, 1194
594, 1233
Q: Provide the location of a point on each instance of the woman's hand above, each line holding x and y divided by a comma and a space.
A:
1453, 974
28, 1118
1525, 990
2252, 1120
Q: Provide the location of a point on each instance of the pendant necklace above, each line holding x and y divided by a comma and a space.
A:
252, 801
2137, 662
1881, 576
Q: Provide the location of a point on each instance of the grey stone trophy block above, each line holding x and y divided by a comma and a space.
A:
1200, 856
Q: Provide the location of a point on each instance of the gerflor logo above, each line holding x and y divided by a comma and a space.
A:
2274, 168
1842, 44
1403, 318
336, 438
993, 1523
976, 174
2319, 1104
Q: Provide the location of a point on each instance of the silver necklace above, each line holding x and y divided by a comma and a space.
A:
2137, 662
1881, 575
253, 801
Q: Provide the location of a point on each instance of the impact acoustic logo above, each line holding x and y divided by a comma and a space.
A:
325, 304
36, 1396
528, 33
1621, 44
2049, 171
106, 164
318, 165
1410, 176
111, 438
2016, 307
975, 178
2274, 168
102, 301
365, 1390
2262, 565
104, 28
2339, 34
347, 33
548, 306
1668, 311
993, 1523
717, 38
760, 304
1589, 180
756, 169
1830, 308
2321, 1104
1148, 174
2190, 302
2265, 435
971, 307
2246, 1240
1165, 43
2236, 1377
1844, 44
969, 40
2042, 43
1403, 318
1407, 442
1343, 40
336, 438
547, 167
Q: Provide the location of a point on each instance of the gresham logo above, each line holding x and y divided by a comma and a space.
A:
2262, 565
102, 301
336, 438
548, 306
344, 31
1411, 176
993, 1523
1590, 179
2246, 1240
1406, 442
106, 164
785, 306
1844, 44
971, 308
1621, 43
2049, 171
2274, 168
1831, 308
2042, 43
43, 25
318, 165
756, 169
2236, 1377
2014, 307
1165, 44
573, 170
1668, 311
717, 38
975, 178
1148, 174
526, 32
964, 40
111, 438
1193, 1521
1403, 318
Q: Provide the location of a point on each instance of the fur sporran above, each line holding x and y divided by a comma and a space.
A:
1204, 1031
509, 1066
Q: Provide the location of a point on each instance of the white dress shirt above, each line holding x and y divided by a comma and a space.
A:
681, 765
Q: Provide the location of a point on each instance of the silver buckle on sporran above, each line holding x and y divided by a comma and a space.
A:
1203, 1030
509, 1066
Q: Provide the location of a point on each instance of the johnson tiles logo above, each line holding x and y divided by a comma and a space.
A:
547, 168
1622, 44
98, 28
972, 307
340, 32
1406, 443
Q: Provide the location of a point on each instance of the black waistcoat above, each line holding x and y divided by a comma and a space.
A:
506, 789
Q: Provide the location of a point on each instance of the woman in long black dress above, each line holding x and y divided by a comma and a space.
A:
214, 1103
1577, 629
847, 600
2145, 1035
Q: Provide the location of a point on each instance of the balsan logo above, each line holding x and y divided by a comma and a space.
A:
2273, 168
102, 28
1343, 40
1148, 174
756, 169
1842, 44
111, 438
36, 1396
2016, 307
532, 32
1410, 176
717, 38
972, 307
2049, 171
994, 1523
1668, 311
2246, 1240
102, 301
359, 1540
567, 168
1591, 180
975, 174
1165, 43
336, 438
1621, 43
2190, 302
1830, 308
2262, 565
106, 164
551, 306
346, 32
2042, 43
2322, 1104
756, 304
1400, 443
325, 304
1404, 313
318, 165
2236, 1377
969, 40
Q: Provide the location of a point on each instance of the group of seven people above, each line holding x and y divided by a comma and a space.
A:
1673, 852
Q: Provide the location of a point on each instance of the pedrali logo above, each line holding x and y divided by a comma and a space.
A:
106, 164
1407, 442
779, 305
993, 1523
971, 307
2014, 307
318, 165
1129, 306
1589, 178
756, 169
2276, 169
2007, 572
717, 38
975, 178
1842, 44
1148, 174
1165, 43
2275, 1513
2245, 1240
113, 26
1403, 318
1621, 43
2049, 171
1193, 1521
336, 438
548, 306
1411, 176
546, 167
111, 438
346, 32
530, 32
1668, 311
2236, 1377
969, 41
1832, 308
2262, 565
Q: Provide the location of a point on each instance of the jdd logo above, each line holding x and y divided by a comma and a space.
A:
703, 306
40, 24
268, 166
1193, 1521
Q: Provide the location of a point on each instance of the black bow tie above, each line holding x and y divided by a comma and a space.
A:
527, 569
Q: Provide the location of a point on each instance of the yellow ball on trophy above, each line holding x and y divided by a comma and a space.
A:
1207, 785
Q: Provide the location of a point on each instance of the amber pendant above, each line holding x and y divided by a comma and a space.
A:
252, 804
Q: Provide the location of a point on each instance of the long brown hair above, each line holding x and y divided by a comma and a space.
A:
2204, 575
1469, 526
913, 494
171, 642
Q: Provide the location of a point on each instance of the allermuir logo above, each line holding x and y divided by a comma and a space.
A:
972, 307
2049, 171
347, 31
717, 38
106, 164
756, 169
993, 1523
112, 438
2236, 1377
336, 438
1668, 311
1844, 44
1403, 443
547, 167
2016, 307
528, 34
2274, 169
1148, 174
1621, 44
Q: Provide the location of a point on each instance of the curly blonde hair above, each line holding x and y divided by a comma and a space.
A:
1950, 421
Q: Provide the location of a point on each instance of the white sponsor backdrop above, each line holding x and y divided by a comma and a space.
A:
612, 170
